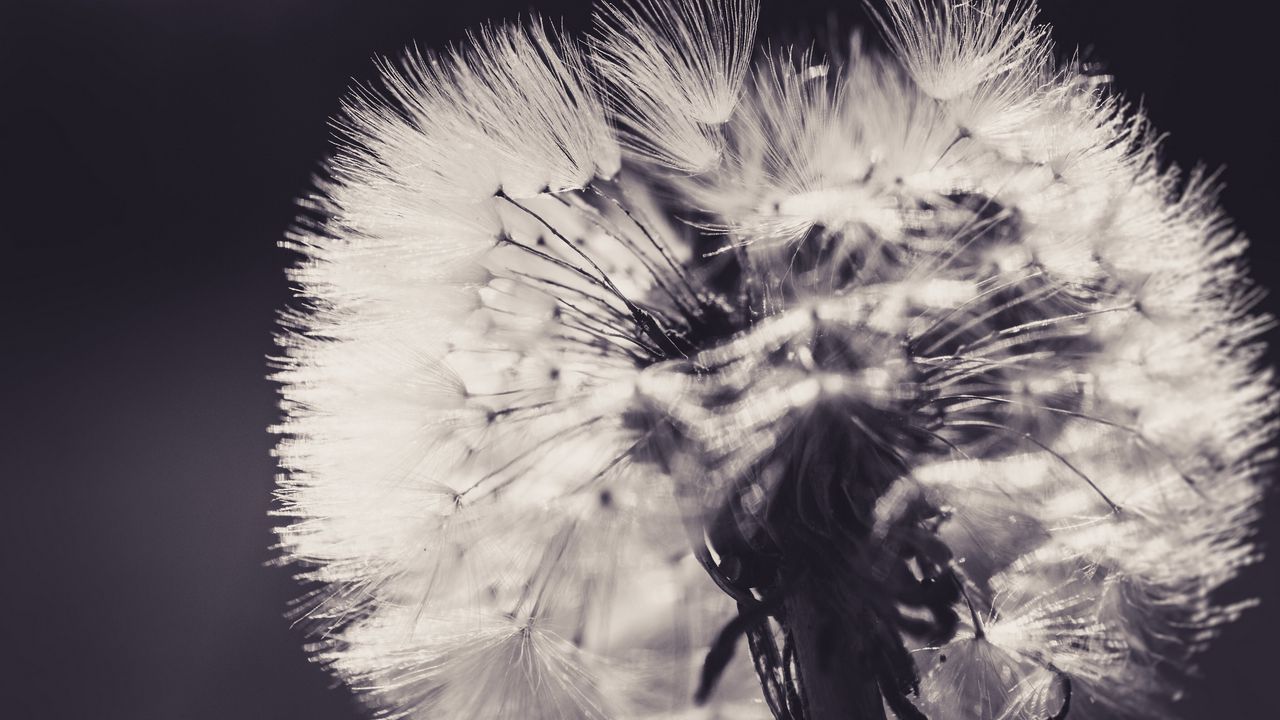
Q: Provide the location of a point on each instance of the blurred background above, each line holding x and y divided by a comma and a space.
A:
151, 154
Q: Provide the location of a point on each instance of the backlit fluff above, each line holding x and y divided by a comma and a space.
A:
608, 351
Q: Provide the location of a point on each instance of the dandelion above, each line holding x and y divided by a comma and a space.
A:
916, 374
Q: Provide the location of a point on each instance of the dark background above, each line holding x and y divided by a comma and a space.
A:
152, 150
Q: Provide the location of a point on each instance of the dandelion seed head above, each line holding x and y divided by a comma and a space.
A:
919, 371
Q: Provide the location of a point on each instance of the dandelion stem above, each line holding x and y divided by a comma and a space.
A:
835, 674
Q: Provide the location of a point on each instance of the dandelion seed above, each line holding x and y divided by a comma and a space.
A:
675, 73
951, 46
629, 379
